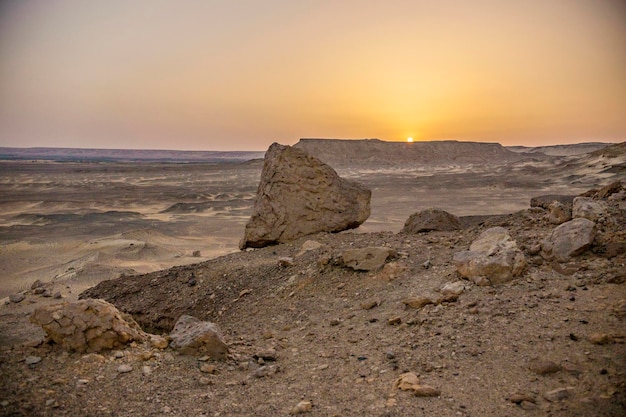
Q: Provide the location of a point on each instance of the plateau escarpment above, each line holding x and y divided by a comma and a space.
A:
378, 153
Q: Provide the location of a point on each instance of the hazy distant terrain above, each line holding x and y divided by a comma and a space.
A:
81, 222
76, 154
561, 150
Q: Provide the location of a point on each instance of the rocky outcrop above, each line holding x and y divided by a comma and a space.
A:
88, 326
298, 195
493, 258
431, 220
569, 239
191, 336
366, 259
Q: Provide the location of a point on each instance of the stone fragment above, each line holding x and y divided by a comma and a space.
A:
568, 240
588, 208
410, 382
559, 213
265, 371
368, 305
431, 220
605, 339
367, 259
543, 367
32, 360
299, 195
268, 354
544, 201
301, 408
17, 298
452, 288
417, 302
208, 368
493, 257
518, 398
124, 368
87, 325
310, 245
392, 270
36, 284
191, 336
558, 394
285, 261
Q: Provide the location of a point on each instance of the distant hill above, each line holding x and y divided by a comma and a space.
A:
561, 150
378, 153
78, 154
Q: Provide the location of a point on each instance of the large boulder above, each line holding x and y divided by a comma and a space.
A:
192, 336
431, 220
299, 195
87, 325
569, 239
493, 258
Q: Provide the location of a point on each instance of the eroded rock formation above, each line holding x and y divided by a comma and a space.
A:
298, 195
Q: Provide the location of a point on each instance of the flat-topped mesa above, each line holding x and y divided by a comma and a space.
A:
378, 153
299, 195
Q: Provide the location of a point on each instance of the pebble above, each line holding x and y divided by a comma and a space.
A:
301, 408
124, 368
427, 264
264, 371
36, 284
368, 305
208, 368
146, 370
426, 391
17, 298
558, 394
334, 322
417, 302
205, 381
32, 360
543, 367
267, 354
518, 398
285, 261
394, 321
118, 354
601, 339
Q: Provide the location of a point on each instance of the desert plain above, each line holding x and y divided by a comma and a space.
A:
342, 338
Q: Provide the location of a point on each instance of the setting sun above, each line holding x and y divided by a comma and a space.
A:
409, 140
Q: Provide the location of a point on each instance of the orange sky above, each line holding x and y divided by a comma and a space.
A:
239, 75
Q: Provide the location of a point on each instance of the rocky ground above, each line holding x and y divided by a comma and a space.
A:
308, 330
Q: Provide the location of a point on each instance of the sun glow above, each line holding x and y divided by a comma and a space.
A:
409, 140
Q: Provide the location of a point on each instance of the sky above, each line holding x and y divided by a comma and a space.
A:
240, 75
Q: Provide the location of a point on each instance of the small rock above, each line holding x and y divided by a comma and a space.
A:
267, 355
205, 381
417, 302
368, 305
543, 367
601, 339
558, 394
32, 360
394, 320
118, 354
158, 342
208, 368
17, 298
367, 259
406, 381
301, 408
191, 336
426, 391
285, 261
264, 371
390, 355
334, 322
124, 368
146, 370
36, 284
427, 264
196, 254
453, 288
519, 398
57, 295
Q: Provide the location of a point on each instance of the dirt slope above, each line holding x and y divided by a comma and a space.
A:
343, 337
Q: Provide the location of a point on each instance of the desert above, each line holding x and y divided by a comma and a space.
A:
305, 331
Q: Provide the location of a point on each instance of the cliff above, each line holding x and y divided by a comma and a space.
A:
378, 153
